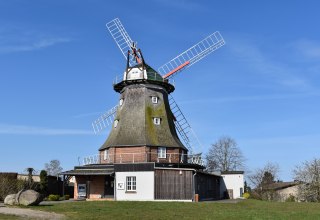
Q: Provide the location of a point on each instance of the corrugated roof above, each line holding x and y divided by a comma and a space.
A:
87, 172
95, 169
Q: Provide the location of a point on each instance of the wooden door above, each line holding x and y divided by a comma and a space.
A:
230, 193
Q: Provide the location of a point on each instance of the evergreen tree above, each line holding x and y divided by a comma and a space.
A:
43, 182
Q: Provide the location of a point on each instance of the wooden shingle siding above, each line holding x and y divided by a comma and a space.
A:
171, 185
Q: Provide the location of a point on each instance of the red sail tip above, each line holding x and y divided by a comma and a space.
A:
176, 69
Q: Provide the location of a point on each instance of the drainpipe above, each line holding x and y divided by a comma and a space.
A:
115, 187
194, 185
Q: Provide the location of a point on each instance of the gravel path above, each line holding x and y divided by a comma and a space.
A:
29, 213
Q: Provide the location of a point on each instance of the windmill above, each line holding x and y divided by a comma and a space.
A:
138, 83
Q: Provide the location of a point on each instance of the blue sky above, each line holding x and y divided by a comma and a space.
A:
57, 64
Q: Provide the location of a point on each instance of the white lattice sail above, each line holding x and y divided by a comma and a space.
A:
192, 55
121, 37
104, 120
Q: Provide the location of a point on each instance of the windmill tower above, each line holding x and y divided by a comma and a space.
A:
149, 153
147, 124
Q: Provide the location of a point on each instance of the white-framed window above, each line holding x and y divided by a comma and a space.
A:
121, 102
157, 121
131, 183
115, 123
106, 154
162, 152
154, 99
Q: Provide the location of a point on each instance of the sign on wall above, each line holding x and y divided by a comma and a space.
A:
120, 185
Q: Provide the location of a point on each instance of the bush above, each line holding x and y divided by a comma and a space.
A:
246, 195
52, 197
291, 198
65, 197
10, 184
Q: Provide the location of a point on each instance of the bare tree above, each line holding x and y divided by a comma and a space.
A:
309, 175
53, 168
225, 155
265, 175
261, 178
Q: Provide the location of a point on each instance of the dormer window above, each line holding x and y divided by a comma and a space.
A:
115, 123
157, 121
154, 99
121, 102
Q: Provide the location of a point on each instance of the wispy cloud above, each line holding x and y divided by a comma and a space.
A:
17, 39
280, 72
249, 98
308, 48
29, 46
32, 130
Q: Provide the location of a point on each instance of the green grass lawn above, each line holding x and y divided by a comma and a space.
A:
9, 217
248, 209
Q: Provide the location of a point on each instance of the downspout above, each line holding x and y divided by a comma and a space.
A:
194, 185
115, 186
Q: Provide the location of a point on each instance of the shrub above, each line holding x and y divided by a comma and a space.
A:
291, 198
10, 184
52, 197
65, 197
246, 195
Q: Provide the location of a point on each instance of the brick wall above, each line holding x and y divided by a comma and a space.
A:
141, 154
125, 155
171, 157
96, 186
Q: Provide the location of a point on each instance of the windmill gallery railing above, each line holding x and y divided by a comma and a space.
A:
150, 76
141, 157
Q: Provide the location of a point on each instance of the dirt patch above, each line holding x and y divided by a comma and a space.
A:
29, 213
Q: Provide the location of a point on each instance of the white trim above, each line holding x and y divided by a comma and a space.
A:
115, 124
154, 99
132, 183
105, 154
162, 152
157, 121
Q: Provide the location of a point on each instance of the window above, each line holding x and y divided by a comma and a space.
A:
131, 183
157, 121
115, 124
154, 99
162, 152
121, 102
106, 154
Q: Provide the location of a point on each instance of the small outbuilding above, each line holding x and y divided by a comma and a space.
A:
232, 184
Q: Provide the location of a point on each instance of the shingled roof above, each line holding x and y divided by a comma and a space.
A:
280, 185
135, 119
